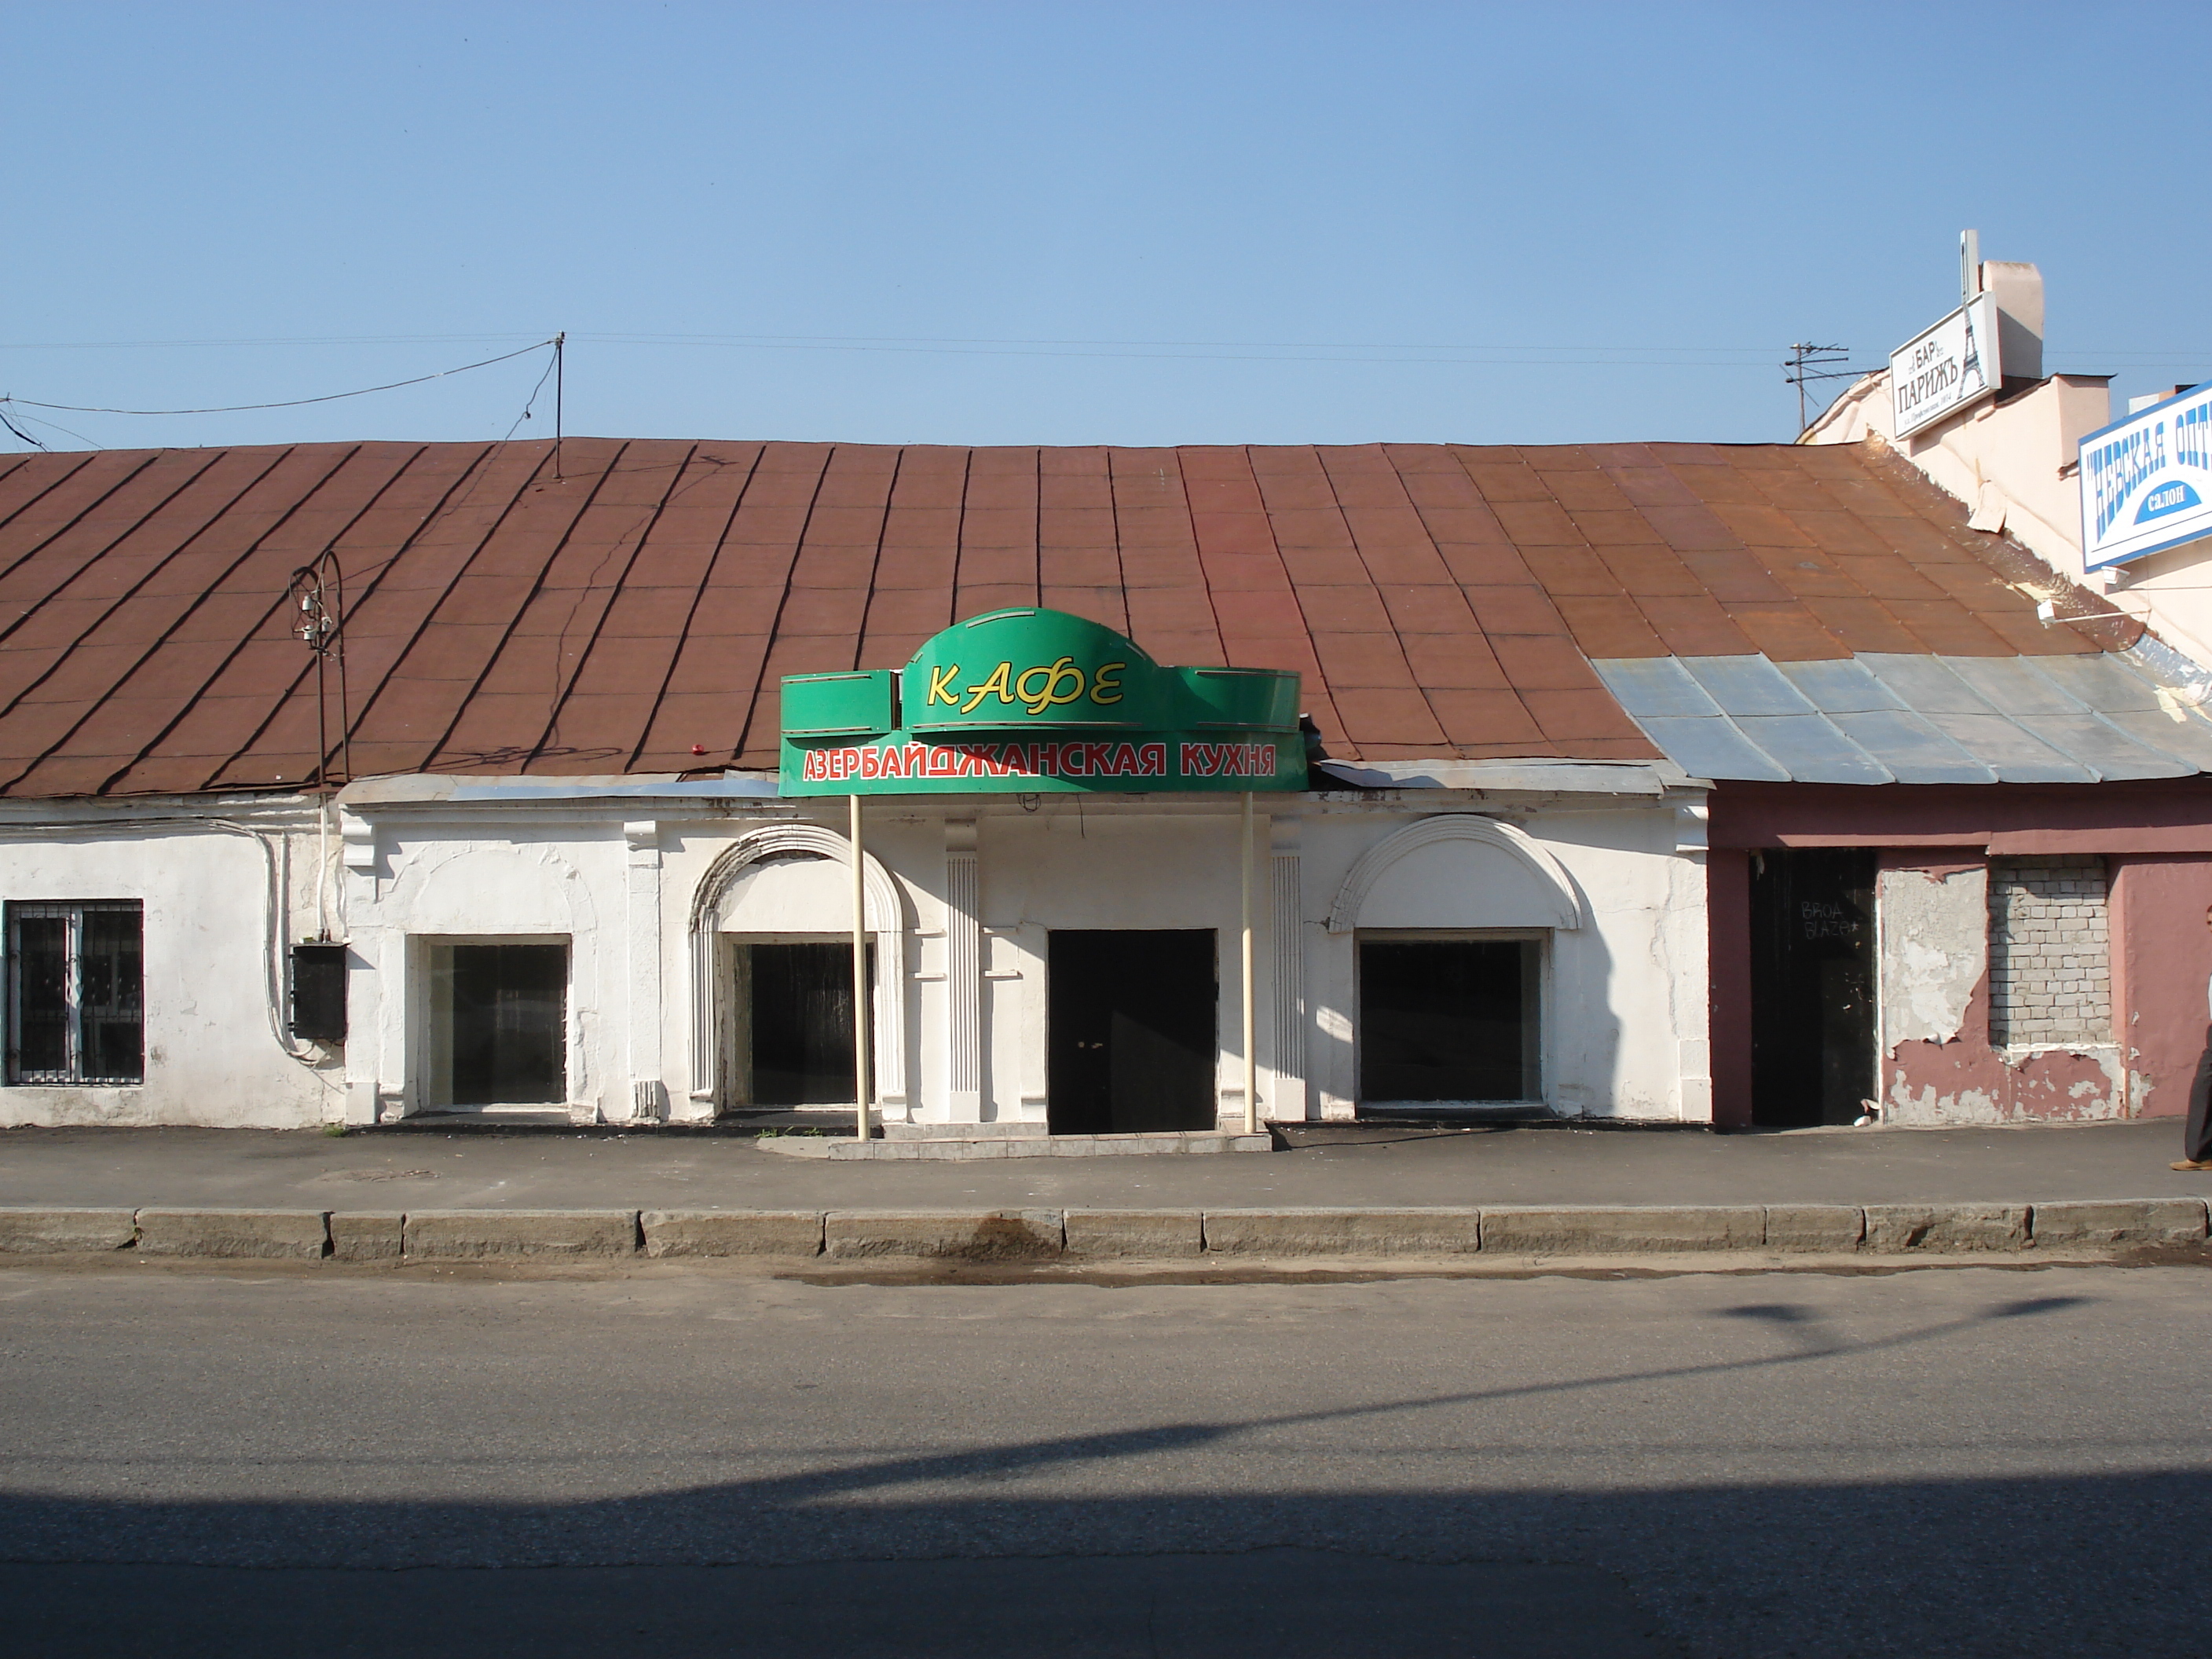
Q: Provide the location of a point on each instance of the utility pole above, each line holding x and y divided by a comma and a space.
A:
560, 376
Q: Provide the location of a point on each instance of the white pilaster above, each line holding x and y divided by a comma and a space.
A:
1286, 1054
963, 971
374, 1060
649, 1093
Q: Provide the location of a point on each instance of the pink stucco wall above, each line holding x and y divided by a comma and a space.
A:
2156, 839
2162, 958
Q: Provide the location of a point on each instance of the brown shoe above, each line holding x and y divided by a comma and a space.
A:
2189, 1163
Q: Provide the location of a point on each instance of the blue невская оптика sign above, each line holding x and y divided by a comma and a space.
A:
2147, 481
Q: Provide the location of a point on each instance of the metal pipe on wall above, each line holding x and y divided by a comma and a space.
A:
861, 1056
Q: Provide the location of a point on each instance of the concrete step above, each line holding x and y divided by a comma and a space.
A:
951, 1149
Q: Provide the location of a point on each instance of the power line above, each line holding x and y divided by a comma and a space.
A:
532, 403
639, 338
288, 403
1256, 356
19, 431
51, 426
2150, 355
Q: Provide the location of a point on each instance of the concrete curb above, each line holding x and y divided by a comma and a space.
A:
1894, 1227
1318, 1232
1132, 1235
481, 1234
1521, 1231
953, 1235
947, 1151
367, 1235
1580, 1229
731, 1232
65, 1232
263, 1234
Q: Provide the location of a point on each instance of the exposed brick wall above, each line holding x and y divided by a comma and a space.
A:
2050, 966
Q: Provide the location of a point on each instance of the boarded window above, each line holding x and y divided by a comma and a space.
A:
498, 1023
76, 1006
2051, 967
1447, 1019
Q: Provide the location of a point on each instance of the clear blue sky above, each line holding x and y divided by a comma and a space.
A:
1067, 222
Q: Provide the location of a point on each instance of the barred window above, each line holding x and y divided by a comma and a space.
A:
77, 1010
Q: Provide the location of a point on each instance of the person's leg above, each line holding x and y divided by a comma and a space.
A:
2196, 1133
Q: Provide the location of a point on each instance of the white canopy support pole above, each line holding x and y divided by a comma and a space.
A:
861, 1033
1251, 1056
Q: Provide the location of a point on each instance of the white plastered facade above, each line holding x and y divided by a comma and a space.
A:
645, 879
226, 887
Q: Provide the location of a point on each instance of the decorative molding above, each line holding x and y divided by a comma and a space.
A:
1344, 915
359, 835
886, 918
1693, 820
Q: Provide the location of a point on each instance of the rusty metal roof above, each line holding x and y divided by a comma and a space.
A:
636, 613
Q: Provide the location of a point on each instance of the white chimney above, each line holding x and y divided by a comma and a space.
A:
2019, 292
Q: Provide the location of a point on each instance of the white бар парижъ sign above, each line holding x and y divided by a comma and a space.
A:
1941, 370
2147, 481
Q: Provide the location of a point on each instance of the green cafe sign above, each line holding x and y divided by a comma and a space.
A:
1033, 701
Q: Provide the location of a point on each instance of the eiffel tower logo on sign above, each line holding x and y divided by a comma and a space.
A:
1970, 367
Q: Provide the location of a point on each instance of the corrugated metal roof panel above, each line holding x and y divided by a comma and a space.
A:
2011, 684
1935, 687
2015, 753
1747, 686
1926, 684
2103, 747
1811, 750
1848, 687
2043, 703
1912, 747
2187, 736
1713, 748
1890, 716
1656, 688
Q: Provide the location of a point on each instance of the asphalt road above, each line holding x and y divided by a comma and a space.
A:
676, 1462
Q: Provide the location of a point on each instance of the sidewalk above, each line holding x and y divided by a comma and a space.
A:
424, 1171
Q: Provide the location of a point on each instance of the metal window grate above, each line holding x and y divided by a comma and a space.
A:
76, 993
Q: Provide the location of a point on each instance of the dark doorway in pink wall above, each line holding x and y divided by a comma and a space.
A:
1812, 986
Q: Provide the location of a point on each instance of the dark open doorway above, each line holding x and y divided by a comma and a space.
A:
797, 1002
1131, 1031
1448, 1020
1812, 979
500, 1023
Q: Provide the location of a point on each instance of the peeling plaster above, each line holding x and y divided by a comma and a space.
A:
1939, 1066
1935, 950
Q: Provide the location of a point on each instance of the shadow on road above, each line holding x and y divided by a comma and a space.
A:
946, 1554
